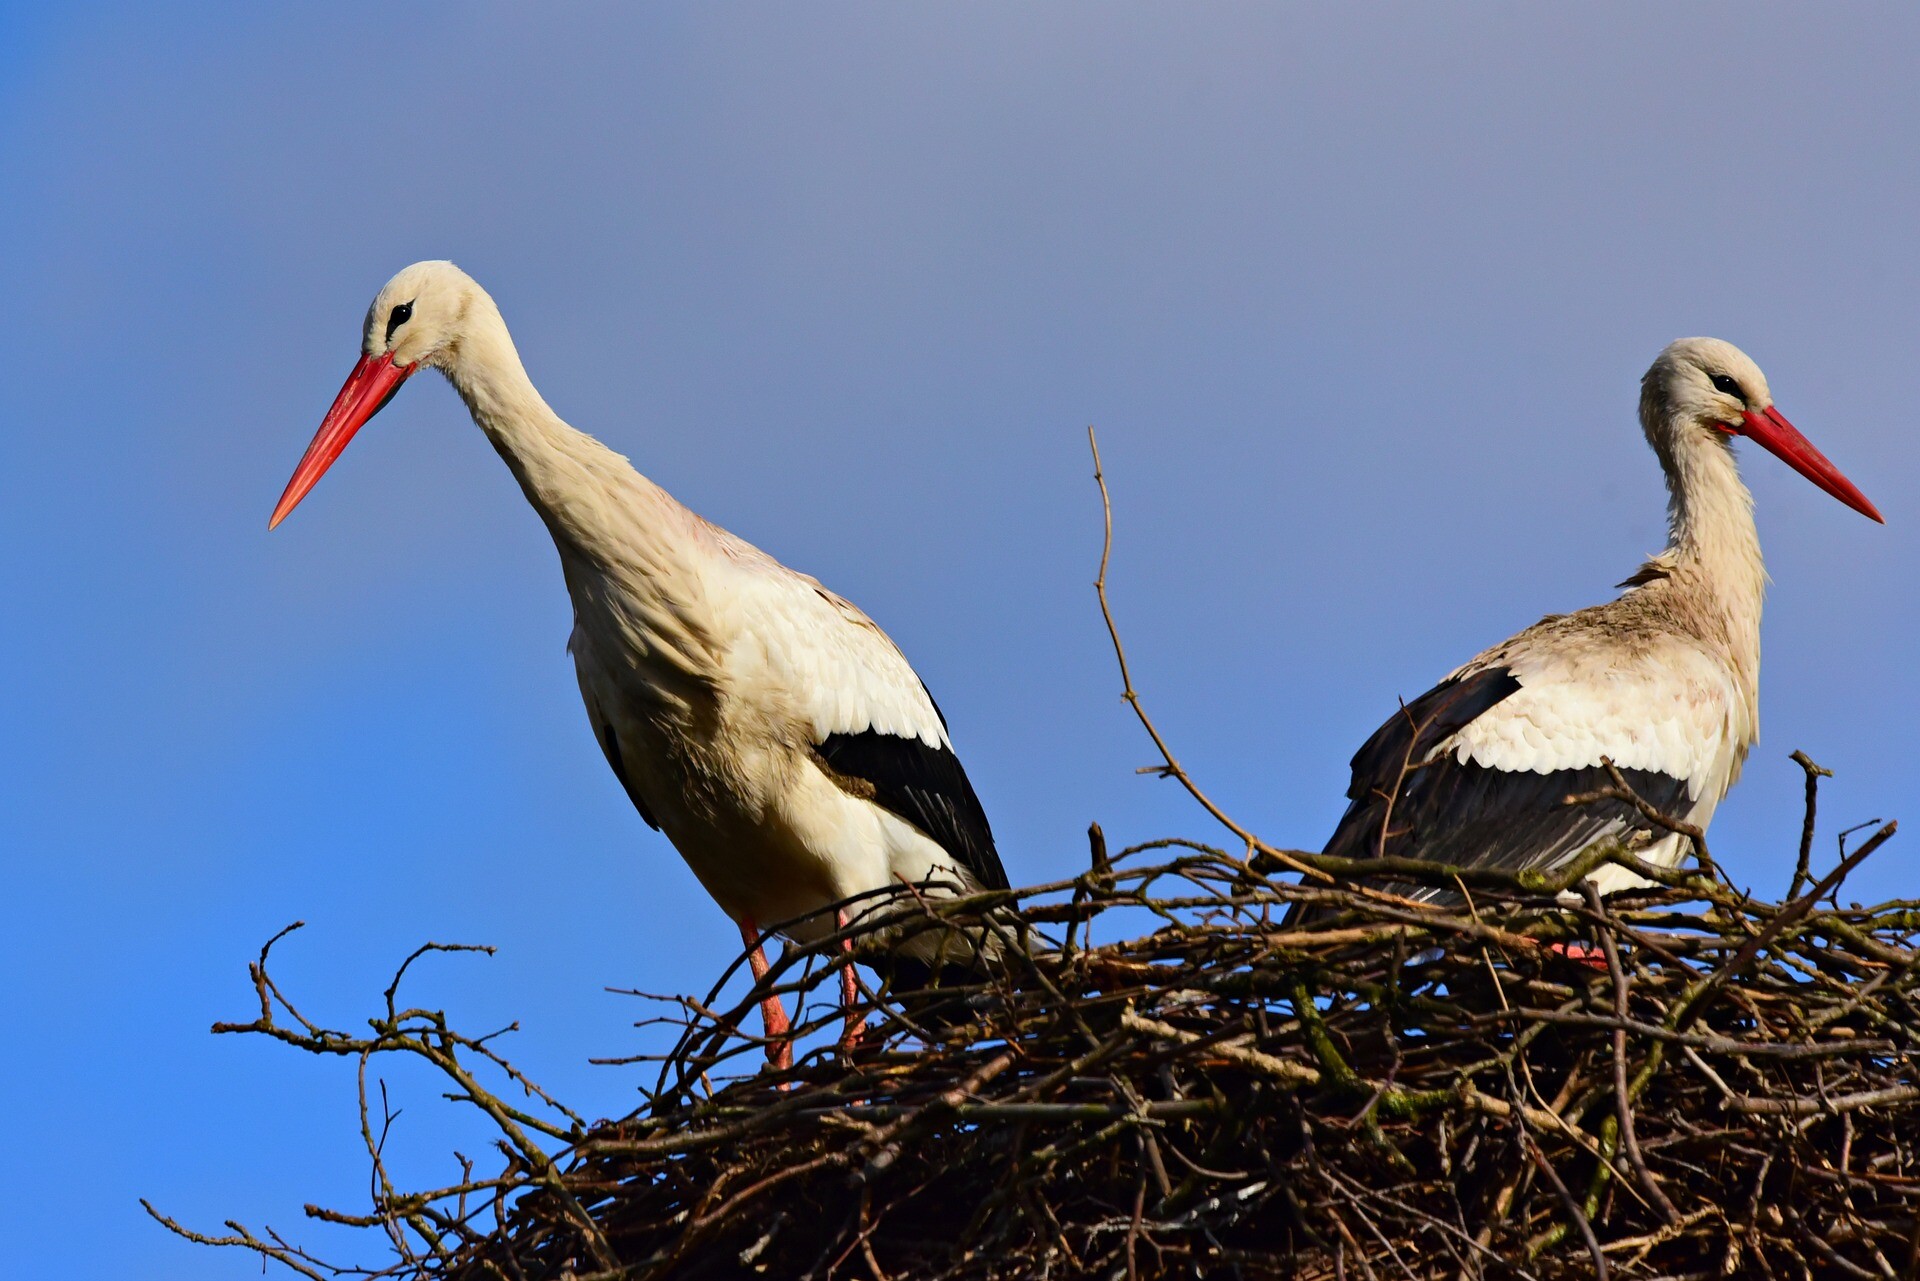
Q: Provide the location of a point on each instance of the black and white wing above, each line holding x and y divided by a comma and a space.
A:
874, 725
1475, 772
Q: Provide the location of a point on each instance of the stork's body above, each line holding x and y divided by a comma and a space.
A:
1662, 681
766, 726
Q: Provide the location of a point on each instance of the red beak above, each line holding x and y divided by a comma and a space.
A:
368, 389
1784, 441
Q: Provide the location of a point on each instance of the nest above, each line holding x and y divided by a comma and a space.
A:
1161, 1078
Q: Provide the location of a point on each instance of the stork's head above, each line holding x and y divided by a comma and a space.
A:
418, 318
1705, 390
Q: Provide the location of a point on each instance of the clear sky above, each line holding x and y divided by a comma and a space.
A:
1358, 297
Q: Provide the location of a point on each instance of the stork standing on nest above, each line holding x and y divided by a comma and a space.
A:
1663, 681
769, 728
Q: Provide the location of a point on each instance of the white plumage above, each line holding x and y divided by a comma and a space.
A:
769, 728
1669, 708
1662, 681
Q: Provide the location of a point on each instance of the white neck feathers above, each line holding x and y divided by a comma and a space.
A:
630, 552
1712, 564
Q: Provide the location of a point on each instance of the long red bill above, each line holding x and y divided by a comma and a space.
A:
368, 389
1784, 441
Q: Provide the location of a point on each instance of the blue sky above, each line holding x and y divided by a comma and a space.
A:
1358, 298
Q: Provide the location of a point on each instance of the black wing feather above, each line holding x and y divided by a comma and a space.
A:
925, 786
1472, 816
1422, 725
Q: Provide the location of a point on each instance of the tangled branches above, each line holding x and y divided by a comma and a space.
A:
1680, 1082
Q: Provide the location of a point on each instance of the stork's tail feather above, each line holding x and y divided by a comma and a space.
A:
932, 996
910, 976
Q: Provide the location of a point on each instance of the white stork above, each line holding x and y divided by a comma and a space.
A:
769, 728
1663, 680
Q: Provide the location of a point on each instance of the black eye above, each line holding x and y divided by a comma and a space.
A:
397, 317
1723, 383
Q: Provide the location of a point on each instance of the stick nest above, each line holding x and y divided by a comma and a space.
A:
1163, 1078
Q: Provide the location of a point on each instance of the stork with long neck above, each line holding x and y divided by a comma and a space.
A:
769, 728
1663, 681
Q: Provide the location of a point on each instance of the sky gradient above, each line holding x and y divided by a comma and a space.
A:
1357, 298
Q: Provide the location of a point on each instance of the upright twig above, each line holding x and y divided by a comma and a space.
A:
1814, 774
1170, 766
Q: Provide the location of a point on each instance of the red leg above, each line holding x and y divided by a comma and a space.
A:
849, 993
779, 1048
1592, 957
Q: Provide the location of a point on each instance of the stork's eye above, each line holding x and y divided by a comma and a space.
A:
397, 317
1723, 383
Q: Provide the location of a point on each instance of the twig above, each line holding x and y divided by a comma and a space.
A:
1171, 767
1622, 1095
1814, 774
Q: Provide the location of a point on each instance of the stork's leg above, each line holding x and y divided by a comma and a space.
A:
856, 1023
1591, 957
779, 1048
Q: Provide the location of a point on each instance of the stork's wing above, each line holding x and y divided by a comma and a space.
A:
925, 786
875, 727
1476, 771
610, 748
